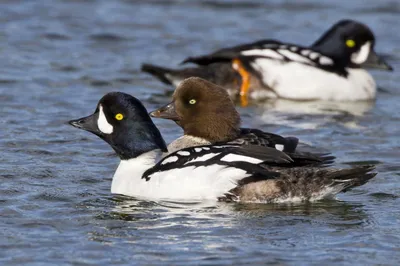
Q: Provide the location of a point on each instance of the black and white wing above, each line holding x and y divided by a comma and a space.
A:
271, 50
248, 158
227, 54
250, 136
288, 145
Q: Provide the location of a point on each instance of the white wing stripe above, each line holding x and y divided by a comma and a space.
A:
240, 158
295, 57
323, 60
263, 52
170, 160
203, 158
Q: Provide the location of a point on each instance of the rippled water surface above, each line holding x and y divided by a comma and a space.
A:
57, 58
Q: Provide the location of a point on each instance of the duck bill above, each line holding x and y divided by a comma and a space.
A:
88, 123
166, 112
377, 62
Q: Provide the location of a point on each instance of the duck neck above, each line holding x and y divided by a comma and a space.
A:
136, 140
212, 128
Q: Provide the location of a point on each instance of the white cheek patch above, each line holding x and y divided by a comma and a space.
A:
362, 54
102, 122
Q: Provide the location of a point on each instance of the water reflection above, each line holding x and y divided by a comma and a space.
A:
313, 114
166, 214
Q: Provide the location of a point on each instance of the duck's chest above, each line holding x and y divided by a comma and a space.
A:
184, 183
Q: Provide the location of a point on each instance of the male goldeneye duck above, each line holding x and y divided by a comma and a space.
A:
207, 116
225, 172
330, 69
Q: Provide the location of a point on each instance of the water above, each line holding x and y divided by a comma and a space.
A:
59, 57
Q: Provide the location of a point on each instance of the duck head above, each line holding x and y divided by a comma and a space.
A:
203, 110
351, 43
122, 121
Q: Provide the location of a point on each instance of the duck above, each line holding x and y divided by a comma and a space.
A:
223, 172
207, 115
331, 69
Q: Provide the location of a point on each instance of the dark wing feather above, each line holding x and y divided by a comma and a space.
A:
214, 154
249, 136
292, 54
227, 54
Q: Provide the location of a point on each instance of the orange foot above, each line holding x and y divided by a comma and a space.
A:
244, 88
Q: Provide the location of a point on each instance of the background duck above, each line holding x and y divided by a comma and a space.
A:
330, 69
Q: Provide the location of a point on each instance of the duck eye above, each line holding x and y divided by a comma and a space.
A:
119, 116
192, 101
350, 43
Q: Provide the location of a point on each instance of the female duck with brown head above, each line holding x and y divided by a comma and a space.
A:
207, 116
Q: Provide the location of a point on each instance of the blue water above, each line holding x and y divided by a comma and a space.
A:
59, 57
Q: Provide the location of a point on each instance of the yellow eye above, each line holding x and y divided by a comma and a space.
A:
119, 116
192, 101
350, 43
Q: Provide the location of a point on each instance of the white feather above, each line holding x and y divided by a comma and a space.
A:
263, 52
240, 158
323, 60
194, 183
127, 178
361, 55
203, 158
296, 57
296, 81
314, 55
170, 160
102, 122
279, 147
189, 183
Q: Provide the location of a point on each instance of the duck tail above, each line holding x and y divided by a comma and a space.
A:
159, 72
292, 185
346, 179
312, 159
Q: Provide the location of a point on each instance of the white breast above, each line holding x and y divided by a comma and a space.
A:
187, 183
193, 183
127, 178
296, 81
